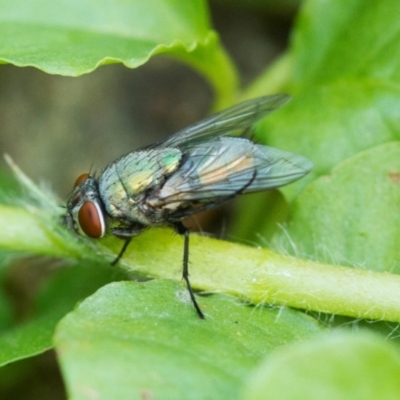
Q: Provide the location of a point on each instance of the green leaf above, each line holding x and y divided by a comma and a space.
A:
6, 314
336, 366
337, 39
73, 38
351, 216
59, 296
346, 93
144, 339
331, 123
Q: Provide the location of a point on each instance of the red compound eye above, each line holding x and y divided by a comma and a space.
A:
81, 178
91, 220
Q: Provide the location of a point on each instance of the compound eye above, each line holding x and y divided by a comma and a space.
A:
81, 178
91, 220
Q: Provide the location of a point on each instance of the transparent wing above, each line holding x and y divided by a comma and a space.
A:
224, 166
236, 118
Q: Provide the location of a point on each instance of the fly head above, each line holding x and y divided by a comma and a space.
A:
85, 212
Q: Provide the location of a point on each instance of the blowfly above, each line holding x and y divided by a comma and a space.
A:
194, 170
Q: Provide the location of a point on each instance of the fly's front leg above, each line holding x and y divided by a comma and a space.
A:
122, 251
182, 230
126, 234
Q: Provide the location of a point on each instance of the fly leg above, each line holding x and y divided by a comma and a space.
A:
182, 230
122, 251
126, 234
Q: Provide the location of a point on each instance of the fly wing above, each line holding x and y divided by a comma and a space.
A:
236, 118
226, 166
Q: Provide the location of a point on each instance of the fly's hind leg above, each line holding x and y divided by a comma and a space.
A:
182, 230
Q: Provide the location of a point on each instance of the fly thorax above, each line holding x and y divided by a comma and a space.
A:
125, 184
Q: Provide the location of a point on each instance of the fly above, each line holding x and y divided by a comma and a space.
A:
194, 170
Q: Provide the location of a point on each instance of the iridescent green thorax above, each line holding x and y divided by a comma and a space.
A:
124, 183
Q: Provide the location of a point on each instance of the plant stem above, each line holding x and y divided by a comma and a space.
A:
255, 274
